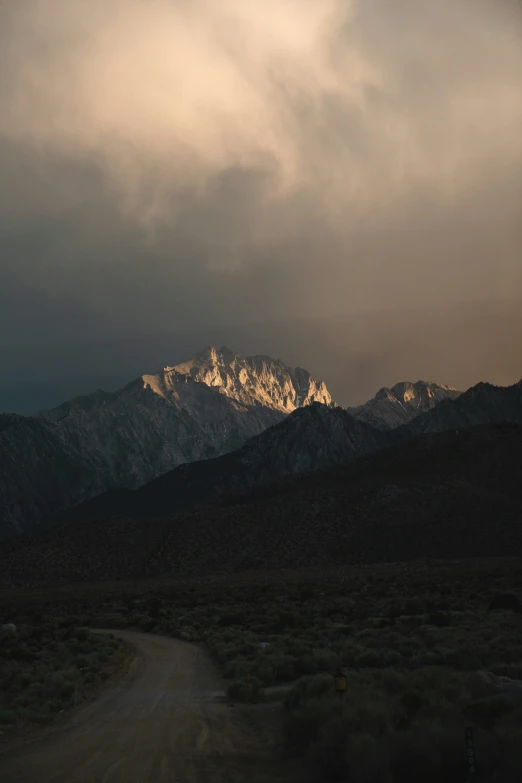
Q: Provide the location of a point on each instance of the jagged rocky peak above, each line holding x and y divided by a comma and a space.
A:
208, 406
251, 380
418, 393
403, 402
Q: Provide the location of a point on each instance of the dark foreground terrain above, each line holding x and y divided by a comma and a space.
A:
428, 648
454, 494
163, 722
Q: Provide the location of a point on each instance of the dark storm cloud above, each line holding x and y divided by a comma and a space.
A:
170, 166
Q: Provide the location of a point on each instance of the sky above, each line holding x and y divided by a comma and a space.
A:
332, 181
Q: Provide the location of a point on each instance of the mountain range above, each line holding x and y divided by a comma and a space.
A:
454, 494
211, 425
311, 438
390, 408
194, 411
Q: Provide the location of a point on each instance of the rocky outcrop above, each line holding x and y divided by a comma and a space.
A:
194, 411
252, 381
481, 404
488, 687
391, 408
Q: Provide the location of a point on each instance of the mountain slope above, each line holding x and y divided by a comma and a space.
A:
196, 411
310, 438
37, 467
391, 408
481, 404
445, 495
314, 437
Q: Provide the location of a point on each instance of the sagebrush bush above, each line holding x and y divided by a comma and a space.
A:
43, 672
245, 690
395, 727
414, 631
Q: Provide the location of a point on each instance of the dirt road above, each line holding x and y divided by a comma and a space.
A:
163, 722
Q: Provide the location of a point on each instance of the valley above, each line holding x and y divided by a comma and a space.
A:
191, 625
428, 647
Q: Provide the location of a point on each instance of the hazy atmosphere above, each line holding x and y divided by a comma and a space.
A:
334, 182
216, 566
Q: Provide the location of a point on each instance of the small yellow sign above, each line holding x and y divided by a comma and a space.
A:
341, 683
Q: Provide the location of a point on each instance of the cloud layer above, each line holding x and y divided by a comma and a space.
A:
171, 163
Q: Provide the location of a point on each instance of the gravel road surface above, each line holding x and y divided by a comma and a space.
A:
164, 721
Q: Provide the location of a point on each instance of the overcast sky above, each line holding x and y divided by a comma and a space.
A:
196, 166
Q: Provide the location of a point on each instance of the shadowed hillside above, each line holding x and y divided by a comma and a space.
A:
313, 437
445, 495
310, 438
